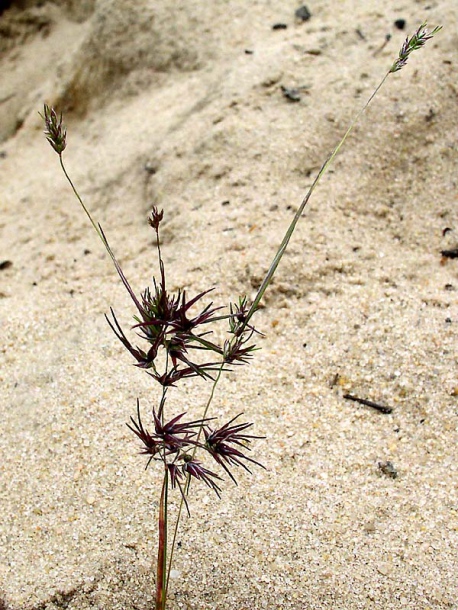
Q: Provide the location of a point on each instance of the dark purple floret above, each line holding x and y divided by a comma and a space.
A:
176, 477
196, 470
236, 353
152, 446
175, 474
220, 443
145, 360
175, 434
155, 218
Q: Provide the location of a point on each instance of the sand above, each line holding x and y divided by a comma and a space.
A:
181, 105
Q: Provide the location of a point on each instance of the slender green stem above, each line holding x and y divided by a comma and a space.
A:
172, 548
100, 233
284, 244
161, 578
210, 399
96, 228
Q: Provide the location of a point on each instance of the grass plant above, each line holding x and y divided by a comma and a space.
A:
177, 343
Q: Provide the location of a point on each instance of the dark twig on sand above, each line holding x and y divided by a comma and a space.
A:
369, 403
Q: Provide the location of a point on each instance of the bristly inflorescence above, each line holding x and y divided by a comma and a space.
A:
416, 41
225, 443
175, 443
165, 323
55, 132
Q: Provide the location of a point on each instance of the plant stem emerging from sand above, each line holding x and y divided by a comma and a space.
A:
163, 320
161, 579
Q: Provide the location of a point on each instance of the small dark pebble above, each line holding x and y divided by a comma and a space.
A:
225, 202
3, 154
448, 320
449, 287
291, 94
303, 13
430, 116
388, 469
279, 26
151, 168
249, 51
450, 253
5, 265
400, 24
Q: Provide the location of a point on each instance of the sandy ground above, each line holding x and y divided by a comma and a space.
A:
180, 105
